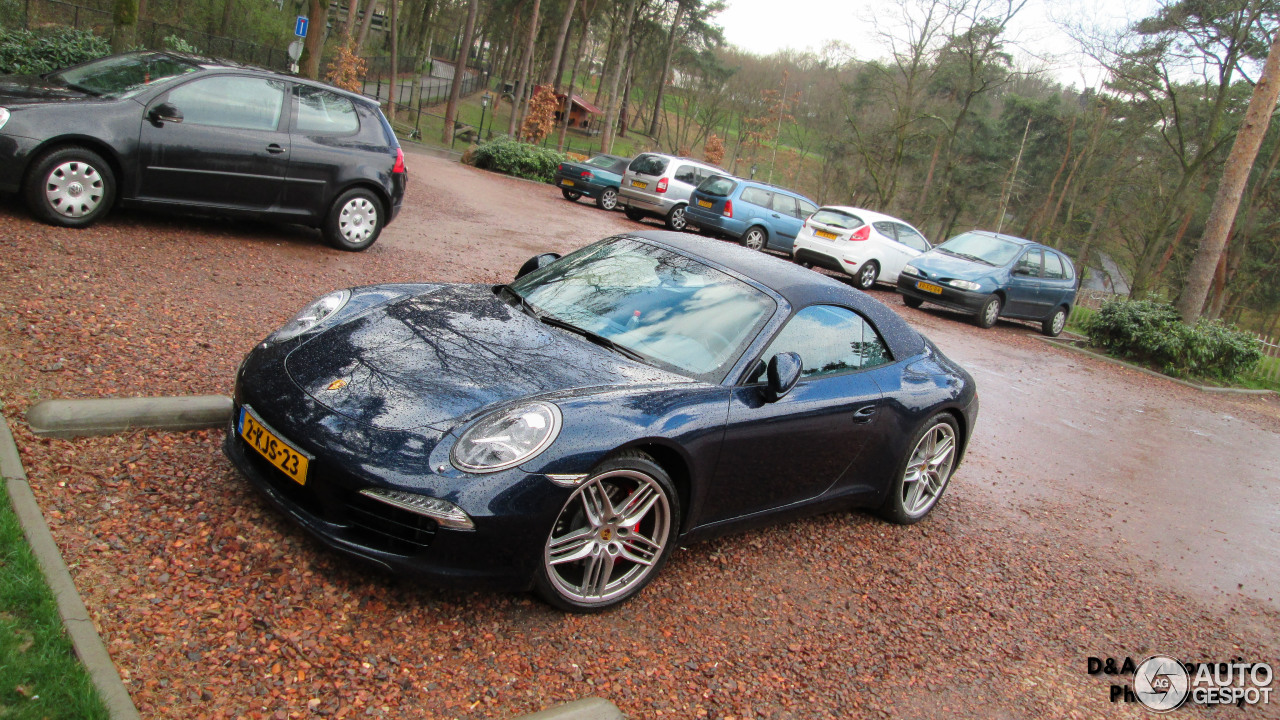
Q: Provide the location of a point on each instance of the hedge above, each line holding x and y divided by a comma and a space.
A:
1152, 332
505, 155
27, 52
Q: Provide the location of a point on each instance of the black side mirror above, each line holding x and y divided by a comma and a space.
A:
537, 262
164, 113
782, 374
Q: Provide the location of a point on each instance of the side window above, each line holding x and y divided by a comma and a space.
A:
911, 238
1068, 271
830, 340
322, 111
232, 102
807, 208
886, 229
756, 196
786, 205
687, 174
1030, 263
1053, 266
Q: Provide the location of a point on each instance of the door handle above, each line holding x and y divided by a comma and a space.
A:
274, 149
864, 414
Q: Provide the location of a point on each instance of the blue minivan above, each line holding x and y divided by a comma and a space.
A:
758, 215
990, 276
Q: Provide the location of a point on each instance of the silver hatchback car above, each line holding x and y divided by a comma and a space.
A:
657, 185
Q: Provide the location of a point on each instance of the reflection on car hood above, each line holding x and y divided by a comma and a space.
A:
940, 265
427, 359
26, 89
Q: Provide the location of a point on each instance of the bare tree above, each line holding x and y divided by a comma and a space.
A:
459, 70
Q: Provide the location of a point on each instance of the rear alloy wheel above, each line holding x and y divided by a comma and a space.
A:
634, 214
675, 219
608, 199
1053, 325
612, 536
989, 313
355, 221
925, 471
571, 195
754, 238
71, 187
912, 302
867, 275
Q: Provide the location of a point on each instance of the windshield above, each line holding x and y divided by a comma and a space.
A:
123, 75
649, 165
717, 185
837, 218
668, 308
982, 248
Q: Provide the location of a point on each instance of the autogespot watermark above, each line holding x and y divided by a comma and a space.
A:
1162, 683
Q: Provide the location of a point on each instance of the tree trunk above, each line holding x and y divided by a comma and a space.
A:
573, 78
626, 92
395, 32
555, 66
1234, 177
353, 11
607, 67
666, 69
228, 11
124, 25
313, 44
524, 68
365, 24
610, 111
459, 71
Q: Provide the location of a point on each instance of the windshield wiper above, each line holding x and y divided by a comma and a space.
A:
524, 304
596, 338
966, 256
81, 88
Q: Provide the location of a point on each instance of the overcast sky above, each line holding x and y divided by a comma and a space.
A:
766, 26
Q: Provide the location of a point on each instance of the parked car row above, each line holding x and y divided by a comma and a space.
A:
984, 274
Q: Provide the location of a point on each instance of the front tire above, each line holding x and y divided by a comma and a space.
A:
675, 219
754, 239
988, 313
867, 275
354, 221
925, 472
570, 195
1053, 325
911, 301
608, 199
611, 537
71, 187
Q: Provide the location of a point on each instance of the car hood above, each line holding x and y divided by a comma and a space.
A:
433, 358
27, 89
940, 266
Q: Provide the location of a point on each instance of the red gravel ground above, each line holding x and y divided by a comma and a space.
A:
213, 606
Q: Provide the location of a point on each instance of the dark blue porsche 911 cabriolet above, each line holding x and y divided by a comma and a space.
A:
565, 431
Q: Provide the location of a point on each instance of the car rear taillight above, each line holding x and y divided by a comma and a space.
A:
586, 175
861, 233
399, 166
662, 185
560, 167
728, 208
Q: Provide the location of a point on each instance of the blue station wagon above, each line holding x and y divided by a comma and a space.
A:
756, 214
991, 276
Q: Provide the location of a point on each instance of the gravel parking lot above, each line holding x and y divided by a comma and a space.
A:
1100, 512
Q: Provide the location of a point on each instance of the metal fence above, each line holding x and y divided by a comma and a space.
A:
1269, 369
1088, 301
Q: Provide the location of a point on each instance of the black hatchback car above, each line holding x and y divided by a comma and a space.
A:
172, 131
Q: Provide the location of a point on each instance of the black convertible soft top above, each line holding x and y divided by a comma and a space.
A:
799, 286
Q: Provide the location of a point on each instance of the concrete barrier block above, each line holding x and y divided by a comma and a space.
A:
81, 418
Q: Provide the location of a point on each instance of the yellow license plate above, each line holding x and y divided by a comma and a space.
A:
291, 461
825, 234
637, 183
567, 182
705, 203
929, 287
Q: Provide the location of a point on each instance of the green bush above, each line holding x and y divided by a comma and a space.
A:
177, 44
26, 52
505, 155
1152, 332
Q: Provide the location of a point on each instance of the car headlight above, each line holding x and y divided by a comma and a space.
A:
964, 284
909, 270
507, 438
311, 316
4, 117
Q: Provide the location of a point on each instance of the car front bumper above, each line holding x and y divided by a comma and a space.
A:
954, 298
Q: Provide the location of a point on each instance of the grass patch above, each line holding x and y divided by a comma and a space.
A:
40, 676
1266, 376
1080, 316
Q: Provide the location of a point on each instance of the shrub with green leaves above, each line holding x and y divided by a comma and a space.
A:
505, 155
177, 44
1152, 332
28, 52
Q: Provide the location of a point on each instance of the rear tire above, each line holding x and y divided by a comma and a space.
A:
754, 239
1053, 325
608, 199
570, 195
925, 472
355, 220
912, 302
867, 274
633, 214
989, 313
675, 219
70, 186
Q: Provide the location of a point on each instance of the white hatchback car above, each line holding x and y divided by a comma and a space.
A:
860, 243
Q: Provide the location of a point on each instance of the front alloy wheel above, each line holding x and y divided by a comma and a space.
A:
988, 313
1053, 325
611, 537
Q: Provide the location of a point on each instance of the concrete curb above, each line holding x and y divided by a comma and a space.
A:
592, 708
84, 636
80, 418
1066, 345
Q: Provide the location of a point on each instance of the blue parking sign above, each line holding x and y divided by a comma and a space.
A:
300, 29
